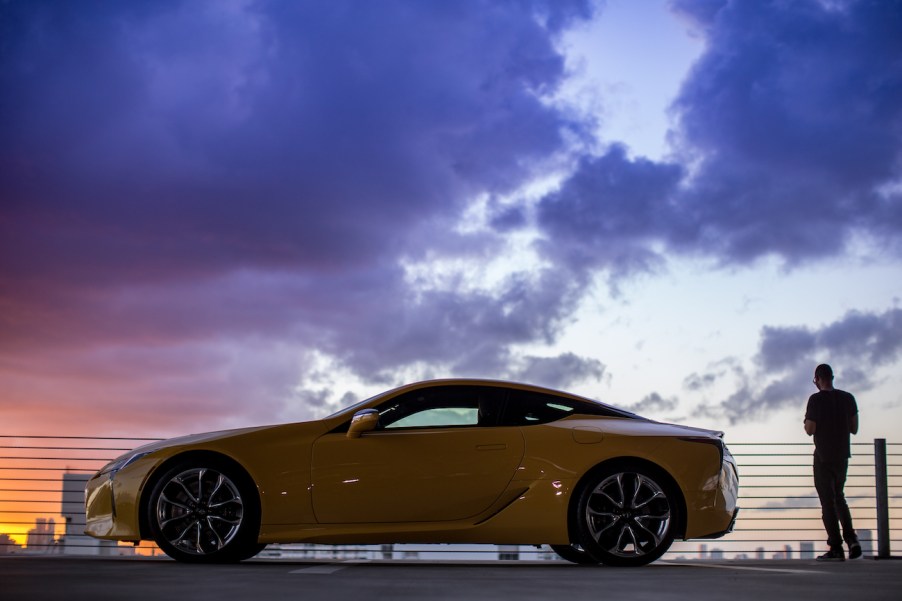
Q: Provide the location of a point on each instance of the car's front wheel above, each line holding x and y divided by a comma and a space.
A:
204, 511
627, 515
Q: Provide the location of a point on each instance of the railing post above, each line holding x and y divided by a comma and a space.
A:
882, 499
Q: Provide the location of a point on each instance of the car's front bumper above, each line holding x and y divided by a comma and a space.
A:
111, 502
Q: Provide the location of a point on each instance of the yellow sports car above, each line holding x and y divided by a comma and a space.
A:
443, 461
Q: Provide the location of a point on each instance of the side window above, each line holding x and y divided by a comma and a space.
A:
442, 406
526, 408
442, 416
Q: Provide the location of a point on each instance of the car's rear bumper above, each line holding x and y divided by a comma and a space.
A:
719, 520
727, 530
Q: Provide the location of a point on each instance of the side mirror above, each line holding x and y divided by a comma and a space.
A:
364, 420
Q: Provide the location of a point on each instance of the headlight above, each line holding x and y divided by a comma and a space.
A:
121, 462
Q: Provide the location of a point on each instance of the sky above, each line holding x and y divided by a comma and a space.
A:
232, 213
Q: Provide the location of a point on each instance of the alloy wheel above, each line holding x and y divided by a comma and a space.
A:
199, 511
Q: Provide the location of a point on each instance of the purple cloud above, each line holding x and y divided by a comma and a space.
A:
788, 143
185, 176
794, 114
609, 213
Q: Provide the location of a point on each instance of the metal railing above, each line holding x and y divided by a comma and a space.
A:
42, 480
780, 513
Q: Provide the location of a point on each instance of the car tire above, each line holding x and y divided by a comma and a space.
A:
204, 511
574, 554
251, 551
627, 515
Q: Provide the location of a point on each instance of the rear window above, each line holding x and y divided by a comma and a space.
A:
525, 408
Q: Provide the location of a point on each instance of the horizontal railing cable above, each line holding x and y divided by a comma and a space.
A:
41, 479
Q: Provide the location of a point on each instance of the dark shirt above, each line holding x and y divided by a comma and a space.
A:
832, 411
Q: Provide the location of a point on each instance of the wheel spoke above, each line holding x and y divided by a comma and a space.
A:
183, 535
197, 544
613, 523
621, 546
636, 489
655, 495
185, 488
233, 522
219, 482
224, 503
200, 485
620, 492
219, 542
602, 514
166, 499
651, 533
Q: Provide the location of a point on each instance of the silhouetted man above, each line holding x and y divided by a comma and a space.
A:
831, 416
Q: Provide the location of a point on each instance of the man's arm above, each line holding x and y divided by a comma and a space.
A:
811, 426
853, 424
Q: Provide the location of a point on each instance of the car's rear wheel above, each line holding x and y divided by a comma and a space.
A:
627, 515
575, 554
204, 511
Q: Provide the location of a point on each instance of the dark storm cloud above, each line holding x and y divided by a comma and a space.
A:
186, 139
788, 142
795, 113
247, 175
855, 345
608, 214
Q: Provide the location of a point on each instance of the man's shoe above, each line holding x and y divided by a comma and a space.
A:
833, 555
854, 551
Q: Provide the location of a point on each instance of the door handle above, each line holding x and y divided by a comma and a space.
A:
491, 447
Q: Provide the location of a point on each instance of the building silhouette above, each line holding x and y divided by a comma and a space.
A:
7, 545
40, 539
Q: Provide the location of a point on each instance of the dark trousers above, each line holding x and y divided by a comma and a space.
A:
829, 480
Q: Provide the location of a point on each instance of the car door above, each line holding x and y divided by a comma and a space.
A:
435, 463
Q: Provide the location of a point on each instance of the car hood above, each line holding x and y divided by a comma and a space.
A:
190, 439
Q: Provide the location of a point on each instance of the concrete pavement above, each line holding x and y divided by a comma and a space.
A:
141, 579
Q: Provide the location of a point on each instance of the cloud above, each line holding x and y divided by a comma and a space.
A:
809, 500
195, 139
794, 116
653, 404
609, 213
557, 372
787, 143
234, 187
857, 345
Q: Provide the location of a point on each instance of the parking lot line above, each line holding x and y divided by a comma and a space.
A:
723, 566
